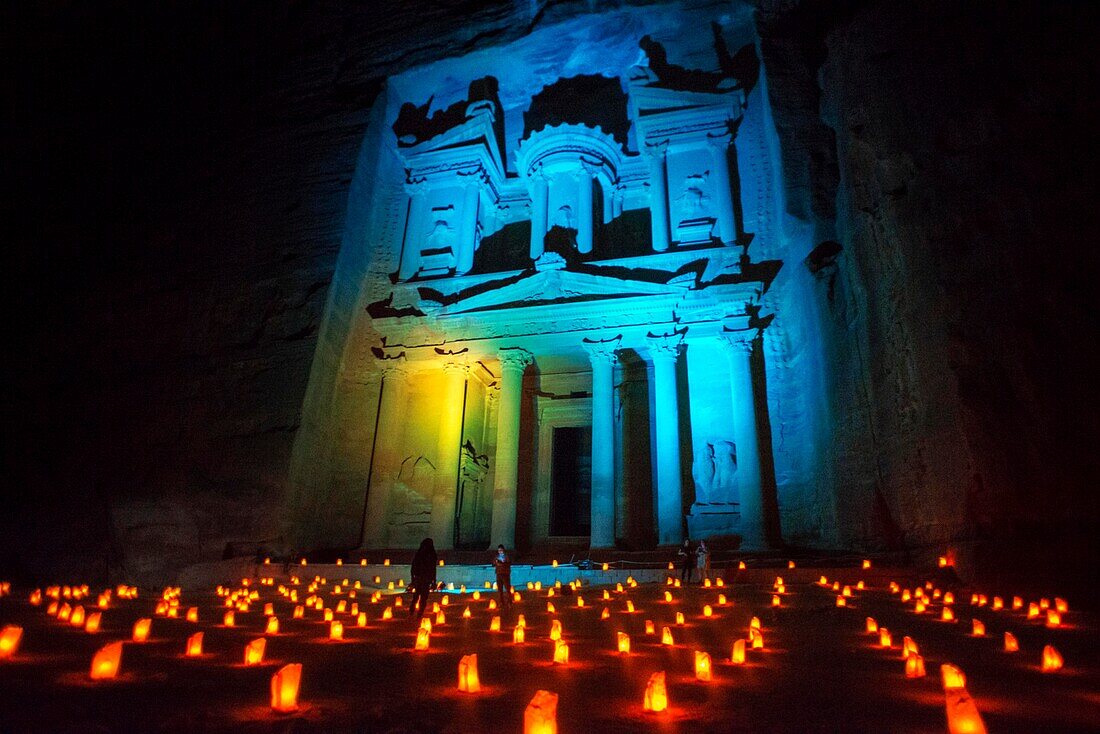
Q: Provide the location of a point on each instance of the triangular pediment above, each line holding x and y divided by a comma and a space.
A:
547, 288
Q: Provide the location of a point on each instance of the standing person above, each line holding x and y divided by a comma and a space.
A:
503, 565
702, 560
687, 561
423, 577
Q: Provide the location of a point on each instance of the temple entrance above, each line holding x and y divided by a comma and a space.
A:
571, 481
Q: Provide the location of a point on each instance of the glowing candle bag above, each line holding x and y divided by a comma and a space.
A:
541, 715
284, 688
656, 695
106, 662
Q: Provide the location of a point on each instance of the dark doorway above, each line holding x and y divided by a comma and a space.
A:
571, 481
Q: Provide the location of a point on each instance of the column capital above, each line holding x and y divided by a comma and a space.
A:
415, 185
392, 364
602, 351
657, 150
665, 346
454, 360
515, 358
738, 342
720, 141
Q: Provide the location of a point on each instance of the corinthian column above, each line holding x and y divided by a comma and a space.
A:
753, 528
414, 229
442, 525
513, 362
664, 351
540, 200
585, 224
467, 233
602, 356
727, 227
384, 461
658, 196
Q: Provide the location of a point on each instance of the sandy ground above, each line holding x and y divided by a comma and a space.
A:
819, 671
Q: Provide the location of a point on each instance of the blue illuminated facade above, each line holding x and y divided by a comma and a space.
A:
578, 230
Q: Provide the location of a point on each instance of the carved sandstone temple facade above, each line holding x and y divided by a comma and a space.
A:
561, 338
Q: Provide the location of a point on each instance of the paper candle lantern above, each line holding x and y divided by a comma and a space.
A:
65, 611
1011, 645
629, 606
10, 637
708, 611
141, 630
555, 630
1032, 610
441, 618
561, 652
254, 651
1054, 618
756, 638
1052, 659
754, 623
953, 677
977, 628
650, 629
550, 607
721, 600
229, 619
872, 626
914, 666
908, 647
361, 620
521, 621
423, 638
948, 615
666, 636
605, 614
776, 601
494, 624
76, 619
1061, 605
841, 601
656, 695
106, 661
518, 635
468, 681
737, 656
541, 714
193, 649
387, 613
91, 624
668, 596
679, 618
884, 638
962, 714
284, 688
702, 666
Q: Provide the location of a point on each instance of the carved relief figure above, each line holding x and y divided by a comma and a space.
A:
564, 217
703, 474
442, 235
694, 201
411, 497
715, 473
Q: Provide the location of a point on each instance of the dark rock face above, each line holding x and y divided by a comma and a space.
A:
202, 160
934, 142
